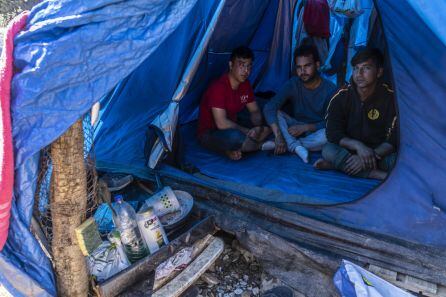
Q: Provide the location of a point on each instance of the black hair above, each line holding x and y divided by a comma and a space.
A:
242, 52
306, 50
369, 53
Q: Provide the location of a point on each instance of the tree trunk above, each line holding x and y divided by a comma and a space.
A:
68, 208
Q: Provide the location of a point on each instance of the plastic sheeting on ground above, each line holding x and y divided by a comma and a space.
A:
300, 182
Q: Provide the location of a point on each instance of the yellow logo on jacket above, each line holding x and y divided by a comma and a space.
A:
373, 114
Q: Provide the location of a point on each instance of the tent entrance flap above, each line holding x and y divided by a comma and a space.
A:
167, 121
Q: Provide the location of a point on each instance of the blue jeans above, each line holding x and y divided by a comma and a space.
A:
311, 141
221, 141
337, 155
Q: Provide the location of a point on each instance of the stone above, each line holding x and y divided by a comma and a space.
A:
256, 291
210, 279
235, 256
246, 294
238, 291
268, 282
245, 278
212, 268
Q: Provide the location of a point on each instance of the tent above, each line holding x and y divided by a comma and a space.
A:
136, 56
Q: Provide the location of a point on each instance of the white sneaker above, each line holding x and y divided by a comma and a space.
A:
302, 153
268, 145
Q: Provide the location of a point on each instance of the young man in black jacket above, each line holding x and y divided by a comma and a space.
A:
361, 122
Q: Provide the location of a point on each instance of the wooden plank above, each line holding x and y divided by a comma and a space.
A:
140, 270
289, 263
193, 271
366, 248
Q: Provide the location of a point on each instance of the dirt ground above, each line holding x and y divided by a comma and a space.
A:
235, 273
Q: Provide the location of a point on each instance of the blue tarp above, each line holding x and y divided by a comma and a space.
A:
131, 54
286, 173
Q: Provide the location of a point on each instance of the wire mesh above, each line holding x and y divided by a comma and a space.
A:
42, 210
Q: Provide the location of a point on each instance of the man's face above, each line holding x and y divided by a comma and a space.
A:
240, 69
366, 74
306, 68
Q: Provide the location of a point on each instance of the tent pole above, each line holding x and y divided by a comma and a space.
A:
68, 210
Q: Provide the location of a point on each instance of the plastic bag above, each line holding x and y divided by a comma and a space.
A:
177, 262
107, 260
347, 8
354, 281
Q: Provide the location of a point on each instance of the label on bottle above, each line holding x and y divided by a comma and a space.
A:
152, 230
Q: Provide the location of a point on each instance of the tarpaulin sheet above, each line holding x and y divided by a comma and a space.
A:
286, 173
411, 203
73, 53
6, 150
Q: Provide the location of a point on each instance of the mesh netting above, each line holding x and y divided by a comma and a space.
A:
42, 210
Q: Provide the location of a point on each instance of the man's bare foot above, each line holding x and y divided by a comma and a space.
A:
322, 164
234, 155
377, 174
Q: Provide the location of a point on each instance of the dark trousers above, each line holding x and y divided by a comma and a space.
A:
338, 156
221, 141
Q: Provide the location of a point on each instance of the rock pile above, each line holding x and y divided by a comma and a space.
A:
235, 273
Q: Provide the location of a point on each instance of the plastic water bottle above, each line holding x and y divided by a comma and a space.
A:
125, 221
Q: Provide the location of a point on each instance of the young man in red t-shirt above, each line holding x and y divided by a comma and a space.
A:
218, 127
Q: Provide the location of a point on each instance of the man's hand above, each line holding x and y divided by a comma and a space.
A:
252, 133
255, 133
297, 130
353, 165
280, 145
367, 156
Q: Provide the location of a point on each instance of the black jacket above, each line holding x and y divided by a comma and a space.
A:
372, 122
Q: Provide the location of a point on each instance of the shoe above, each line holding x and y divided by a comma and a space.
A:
268, 145
302, 153
280, 291
116, 181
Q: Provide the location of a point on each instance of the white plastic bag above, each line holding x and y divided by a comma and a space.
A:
348, 8
177, 262
107, 260
354, 281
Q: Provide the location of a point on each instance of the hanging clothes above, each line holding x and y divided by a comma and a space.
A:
360, 32
316, 18
347, 8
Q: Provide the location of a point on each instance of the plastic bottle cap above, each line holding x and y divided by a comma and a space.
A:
119, 198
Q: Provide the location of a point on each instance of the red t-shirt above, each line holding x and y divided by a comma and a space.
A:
220, 95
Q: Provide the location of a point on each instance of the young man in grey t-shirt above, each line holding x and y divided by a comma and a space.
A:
309, 95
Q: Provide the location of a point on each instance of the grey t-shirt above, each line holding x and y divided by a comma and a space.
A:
309, 106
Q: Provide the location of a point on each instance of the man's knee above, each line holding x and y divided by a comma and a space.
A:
315, 141
329, 151
335, 154
234, 138
388, 162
